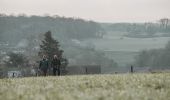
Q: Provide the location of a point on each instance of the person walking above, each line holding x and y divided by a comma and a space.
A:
44, 65
56, 63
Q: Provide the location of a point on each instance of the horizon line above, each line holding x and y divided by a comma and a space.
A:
74, 17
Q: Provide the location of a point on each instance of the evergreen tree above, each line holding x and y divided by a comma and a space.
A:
50, 47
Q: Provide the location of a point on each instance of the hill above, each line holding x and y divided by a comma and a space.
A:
13, 28
24, 34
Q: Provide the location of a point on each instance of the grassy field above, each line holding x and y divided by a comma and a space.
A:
123, 58
123, 49
90, 87
114, 42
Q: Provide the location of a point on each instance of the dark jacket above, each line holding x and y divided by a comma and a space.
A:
44, 64
55, 63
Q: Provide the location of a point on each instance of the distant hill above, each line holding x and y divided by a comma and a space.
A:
13, 28
25, 33
140, 30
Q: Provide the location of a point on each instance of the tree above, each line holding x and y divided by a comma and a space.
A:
142, 59
50, 47
164, 22
156, 58
16, 60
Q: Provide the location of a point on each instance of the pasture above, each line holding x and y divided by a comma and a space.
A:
118, 42
88, 87
123, 49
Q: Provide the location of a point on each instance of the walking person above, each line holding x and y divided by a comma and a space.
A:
44, 65
56, 65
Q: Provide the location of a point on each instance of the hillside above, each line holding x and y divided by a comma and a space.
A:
140, 30
13, 28
83, 41
23, 34
97, 87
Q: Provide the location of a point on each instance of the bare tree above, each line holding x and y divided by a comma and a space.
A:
164, 22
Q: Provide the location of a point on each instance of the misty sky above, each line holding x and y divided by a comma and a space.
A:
98, 10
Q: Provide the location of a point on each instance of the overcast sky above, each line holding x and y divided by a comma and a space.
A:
98, 10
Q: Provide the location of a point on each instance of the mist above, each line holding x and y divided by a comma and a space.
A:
111, 35
97, 10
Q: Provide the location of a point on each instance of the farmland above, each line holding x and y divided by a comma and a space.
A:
123, 49
88, 87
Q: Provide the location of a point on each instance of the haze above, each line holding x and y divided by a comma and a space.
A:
98, 10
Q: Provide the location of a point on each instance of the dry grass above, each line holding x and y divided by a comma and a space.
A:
90, 87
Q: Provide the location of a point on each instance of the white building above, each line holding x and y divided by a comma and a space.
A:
12, 74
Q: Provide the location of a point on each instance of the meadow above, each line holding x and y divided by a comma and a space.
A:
123, 49
88, 87
118, 42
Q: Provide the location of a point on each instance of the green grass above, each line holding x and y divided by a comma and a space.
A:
90, 87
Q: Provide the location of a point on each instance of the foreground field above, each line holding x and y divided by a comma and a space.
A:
90, 87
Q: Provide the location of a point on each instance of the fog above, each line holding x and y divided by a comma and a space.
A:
97, 10
110, 34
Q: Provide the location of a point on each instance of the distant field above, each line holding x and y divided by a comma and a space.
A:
90, 87
123, 58
117, 42
123, 49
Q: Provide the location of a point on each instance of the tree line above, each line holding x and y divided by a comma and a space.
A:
141, 30
155, 58
12, 28
48, 47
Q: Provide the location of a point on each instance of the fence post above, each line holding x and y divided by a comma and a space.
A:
131, 69
13, 74
86, 70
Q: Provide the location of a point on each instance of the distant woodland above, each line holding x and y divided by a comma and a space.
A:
24, 34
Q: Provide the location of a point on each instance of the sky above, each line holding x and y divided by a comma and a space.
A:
97, 10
